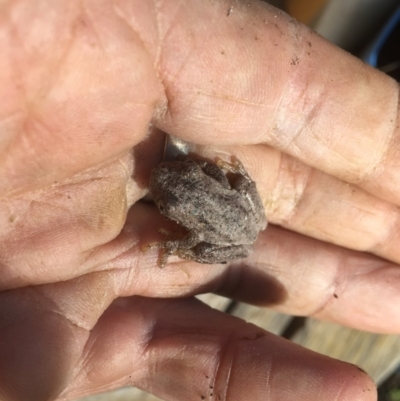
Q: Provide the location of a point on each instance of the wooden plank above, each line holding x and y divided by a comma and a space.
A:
215, 301
122, 394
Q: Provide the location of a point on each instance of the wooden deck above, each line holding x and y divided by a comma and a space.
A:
377, 354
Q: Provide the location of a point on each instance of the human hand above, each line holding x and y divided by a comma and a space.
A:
82, 308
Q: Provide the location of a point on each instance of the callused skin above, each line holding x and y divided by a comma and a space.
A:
222, 220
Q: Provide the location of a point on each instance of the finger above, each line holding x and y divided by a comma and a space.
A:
301, 276
257, 76
289, 272
179, 350
183, 350
316, 204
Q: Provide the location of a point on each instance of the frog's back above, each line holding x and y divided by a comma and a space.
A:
220, 215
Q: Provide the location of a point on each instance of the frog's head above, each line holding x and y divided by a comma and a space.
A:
163, 181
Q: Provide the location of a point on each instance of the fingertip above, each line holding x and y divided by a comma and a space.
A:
348, 382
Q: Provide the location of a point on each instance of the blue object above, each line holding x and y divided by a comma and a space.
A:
384, 52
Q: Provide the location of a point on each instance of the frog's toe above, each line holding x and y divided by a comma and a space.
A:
162, 260
147, 247
165, 254
235, 167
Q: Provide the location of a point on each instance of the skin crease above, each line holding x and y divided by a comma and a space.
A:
82, 309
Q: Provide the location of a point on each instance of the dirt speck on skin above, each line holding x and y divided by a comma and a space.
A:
295, 61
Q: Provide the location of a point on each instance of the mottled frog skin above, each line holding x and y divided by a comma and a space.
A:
222, 220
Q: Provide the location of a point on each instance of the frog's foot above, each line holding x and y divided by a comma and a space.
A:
236, 167
214, 171
167, 250
163, 258
214, 254
152, 245
158, 244
171, 247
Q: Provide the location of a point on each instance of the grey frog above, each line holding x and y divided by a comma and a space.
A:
222, 220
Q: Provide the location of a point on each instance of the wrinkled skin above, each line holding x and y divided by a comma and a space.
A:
80, 83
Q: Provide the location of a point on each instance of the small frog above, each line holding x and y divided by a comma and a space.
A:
222, 220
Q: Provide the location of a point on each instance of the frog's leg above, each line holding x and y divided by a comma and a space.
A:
172, 247
215, 172
210, 254
236, 167
243, 184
